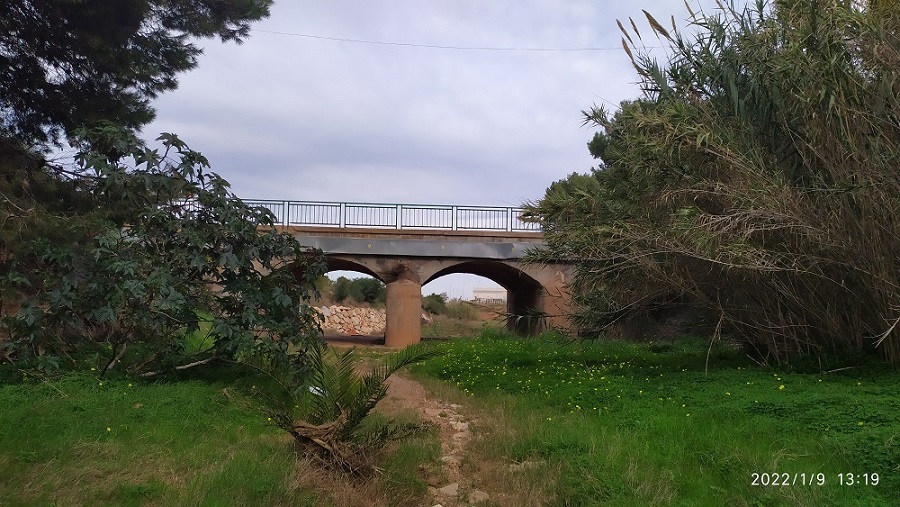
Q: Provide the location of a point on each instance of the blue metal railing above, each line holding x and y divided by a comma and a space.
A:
397, 216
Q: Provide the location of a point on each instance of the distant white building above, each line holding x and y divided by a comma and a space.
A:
489, 294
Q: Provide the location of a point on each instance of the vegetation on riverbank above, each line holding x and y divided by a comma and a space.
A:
755, 179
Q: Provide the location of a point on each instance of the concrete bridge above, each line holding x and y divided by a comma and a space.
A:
406, 246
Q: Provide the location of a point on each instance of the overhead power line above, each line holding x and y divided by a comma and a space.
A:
434, 46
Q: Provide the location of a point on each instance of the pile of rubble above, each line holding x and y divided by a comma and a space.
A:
352, 321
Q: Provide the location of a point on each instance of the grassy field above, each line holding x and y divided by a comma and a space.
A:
608, 423
81, 441
558, 423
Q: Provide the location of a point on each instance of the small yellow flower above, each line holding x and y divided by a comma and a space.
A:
781, 387
108, 428
860, 423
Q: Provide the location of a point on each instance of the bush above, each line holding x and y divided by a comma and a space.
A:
324, 285
341, 289
360, 290
368, 290
435, 304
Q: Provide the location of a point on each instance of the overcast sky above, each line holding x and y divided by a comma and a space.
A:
306, 118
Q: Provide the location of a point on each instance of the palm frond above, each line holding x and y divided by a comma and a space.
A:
333, 399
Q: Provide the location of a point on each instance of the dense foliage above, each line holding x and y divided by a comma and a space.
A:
130, 256
362, 290
757, 178
161, 250
74, 63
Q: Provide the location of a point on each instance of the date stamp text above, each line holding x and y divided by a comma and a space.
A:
772, 479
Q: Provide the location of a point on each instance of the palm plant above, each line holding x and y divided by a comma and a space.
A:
329, 398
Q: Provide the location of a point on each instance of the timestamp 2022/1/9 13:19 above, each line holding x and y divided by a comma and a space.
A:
813, 479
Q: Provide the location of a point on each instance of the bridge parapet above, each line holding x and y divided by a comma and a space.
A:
397, 216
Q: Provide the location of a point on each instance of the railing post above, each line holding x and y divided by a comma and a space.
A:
342, 220
454, 221
509, 219
399, 217
286, 213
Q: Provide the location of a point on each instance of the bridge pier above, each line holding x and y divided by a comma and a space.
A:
403, 313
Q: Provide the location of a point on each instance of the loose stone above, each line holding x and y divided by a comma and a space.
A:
450, 489
476, 496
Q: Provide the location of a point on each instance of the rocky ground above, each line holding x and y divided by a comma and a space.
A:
450, 487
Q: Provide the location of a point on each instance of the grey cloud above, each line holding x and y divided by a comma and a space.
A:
285, 117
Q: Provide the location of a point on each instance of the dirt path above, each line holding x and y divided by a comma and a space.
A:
450, 487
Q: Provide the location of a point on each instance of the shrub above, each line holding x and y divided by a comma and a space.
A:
324, 404
341, 289
435, 304
368, 290
360, 290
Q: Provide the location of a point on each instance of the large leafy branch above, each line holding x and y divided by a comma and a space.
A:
165, 268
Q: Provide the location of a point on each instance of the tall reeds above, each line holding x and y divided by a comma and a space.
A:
757, 177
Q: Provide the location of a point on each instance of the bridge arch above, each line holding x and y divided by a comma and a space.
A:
523, 301
339, 263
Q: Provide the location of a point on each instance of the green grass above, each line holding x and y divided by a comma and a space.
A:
655, 424
443, 326
607, 423
83, 441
